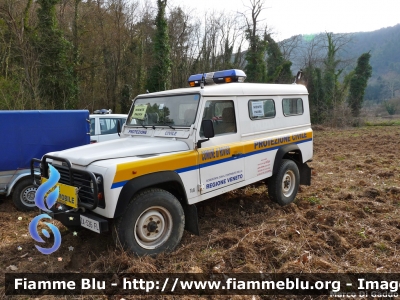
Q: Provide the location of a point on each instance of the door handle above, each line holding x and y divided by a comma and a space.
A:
237, 154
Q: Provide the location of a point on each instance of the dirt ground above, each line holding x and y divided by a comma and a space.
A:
348, 220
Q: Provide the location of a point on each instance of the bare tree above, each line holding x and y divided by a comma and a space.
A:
290, 46
391, 82
257, 39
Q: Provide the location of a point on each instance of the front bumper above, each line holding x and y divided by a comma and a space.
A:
73, 219
85, 181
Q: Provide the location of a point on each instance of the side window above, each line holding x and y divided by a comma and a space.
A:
222, 113
261, 109
108, 126
92, 126
292, 106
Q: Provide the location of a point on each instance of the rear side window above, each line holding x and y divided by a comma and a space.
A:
292, 106
261, 109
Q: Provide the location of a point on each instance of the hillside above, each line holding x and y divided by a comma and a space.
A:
383, 45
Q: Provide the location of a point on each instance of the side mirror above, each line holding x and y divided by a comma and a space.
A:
208, 128
119, 127
208, 131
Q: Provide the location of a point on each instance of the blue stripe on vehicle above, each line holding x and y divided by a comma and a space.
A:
213, 163
116, 185
187, 169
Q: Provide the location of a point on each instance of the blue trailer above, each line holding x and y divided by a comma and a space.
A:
33, 133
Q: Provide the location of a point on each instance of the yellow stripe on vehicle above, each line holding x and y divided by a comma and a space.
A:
195, 159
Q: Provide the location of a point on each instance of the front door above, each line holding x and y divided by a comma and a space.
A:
221, 158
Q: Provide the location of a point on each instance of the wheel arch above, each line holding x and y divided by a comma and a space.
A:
293, 152
17, 180
169, 181
21, 193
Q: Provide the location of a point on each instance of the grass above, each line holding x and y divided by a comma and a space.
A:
367, 209
383, 123
381, 246
313, 200
362, 234
340, 158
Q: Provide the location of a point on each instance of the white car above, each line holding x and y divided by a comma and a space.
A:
103, 127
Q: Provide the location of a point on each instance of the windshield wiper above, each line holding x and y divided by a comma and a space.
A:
170, 126
165, 124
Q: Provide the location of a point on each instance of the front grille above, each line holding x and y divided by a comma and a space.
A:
83, 181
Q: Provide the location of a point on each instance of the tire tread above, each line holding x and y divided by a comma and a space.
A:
275, 181
145, 196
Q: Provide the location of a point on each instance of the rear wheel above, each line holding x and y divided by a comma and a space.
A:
152, 223
283, 186
24, 195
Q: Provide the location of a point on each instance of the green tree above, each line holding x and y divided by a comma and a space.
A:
358, 83
76, 57
256, 67
278, 68
331, 74
125, 98
57, 85
316, 94
326, 89
226, 57
391, 106
159, 75
255, 55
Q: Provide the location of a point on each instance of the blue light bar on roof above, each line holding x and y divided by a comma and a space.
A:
224, 76
103, 111
229, 76
194, 80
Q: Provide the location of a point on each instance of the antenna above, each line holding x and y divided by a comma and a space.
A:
298, 77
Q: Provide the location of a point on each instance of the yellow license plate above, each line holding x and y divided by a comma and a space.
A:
68, 194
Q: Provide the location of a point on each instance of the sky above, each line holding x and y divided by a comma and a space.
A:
291, 17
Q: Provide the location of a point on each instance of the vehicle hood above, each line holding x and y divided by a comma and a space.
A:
119, 148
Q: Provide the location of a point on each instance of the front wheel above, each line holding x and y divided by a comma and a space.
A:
24, 195
283, 186
152, 223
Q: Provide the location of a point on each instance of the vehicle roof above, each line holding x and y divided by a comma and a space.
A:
109, 115
238, 89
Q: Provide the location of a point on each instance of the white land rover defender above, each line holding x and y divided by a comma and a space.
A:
180, 147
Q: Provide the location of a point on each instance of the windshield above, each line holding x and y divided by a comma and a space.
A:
174, 110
